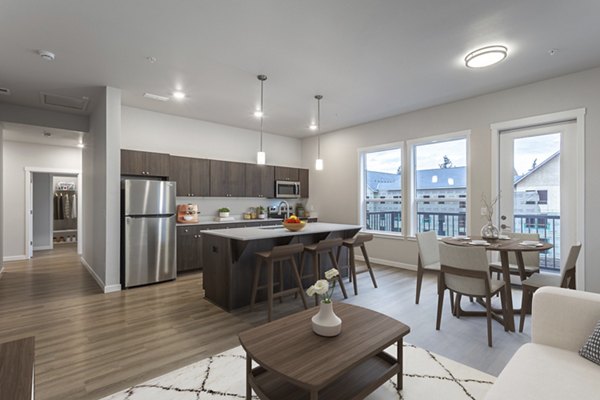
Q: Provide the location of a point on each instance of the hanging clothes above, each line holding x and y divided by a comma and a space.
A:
66, 206
74, 206
59, 212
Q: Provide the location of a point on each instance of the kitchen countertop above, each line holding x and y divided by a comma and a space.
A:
236, 221
266, 232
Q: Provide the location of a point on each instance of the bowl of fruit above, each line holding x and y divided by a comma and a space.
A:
294, 224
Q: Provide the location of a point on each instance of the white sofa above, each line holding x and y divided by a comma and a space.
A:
550, 367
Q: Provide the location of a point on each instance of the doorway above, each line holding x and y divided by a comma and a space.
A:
536, 189
538, 166
53, 209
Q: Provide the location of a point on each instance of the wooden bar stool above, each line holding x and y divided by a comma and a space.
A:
277, 254
316, 250
357, 241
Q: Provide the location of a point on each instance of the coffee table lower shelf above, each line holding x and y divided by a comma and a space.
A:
356, 384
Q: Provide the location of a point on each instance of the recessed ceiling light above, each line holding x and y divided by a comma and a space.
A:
258, 113
155, 97
46, 55
178, 95
313, 127
486, 56
80, 145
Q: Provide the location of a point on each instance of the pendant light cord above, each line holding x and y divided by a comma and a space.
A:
262, 115
319, 125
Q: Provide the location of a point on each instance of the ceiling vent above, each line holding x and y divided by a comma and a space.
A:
64, 102
4, 91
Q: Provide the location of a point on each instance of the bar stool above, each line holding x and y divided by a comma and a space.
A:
277, 254
357, 241
315, 250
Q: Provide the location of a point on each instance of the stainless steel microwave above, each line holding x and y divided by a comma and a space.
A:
287, 189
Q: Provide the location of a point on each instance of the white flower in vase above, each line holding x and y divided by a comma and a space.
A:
324, 287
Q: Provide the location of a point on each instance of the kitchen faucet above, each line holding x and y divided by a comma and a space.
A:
287, 208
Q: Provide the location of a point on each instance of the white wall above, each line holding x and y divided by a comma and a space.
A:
152, 131
1, 198
337, 199
39, 117
42, 211
101, 191
17, 156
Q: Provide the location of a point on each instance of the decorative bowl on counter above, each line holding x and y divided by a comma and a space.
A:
294, 227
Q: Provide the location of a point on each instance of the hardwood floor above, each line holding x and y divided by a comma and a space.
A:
90, 344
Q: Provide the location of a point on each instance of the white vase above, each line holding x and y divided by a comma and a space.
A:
224, 214
326, 323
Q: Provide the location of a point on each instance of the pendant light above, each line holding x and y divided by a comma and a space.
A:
319, 161
261, 157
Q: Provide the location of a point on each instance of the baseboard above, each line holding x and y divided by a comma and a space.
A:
389, 263
36, 248
15, 258
99, 281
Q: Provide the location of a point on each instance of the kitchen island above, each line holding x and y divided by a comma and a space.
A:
229, 260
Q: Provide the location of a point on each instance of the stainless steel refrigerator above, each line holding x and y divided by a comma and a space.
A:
148, 253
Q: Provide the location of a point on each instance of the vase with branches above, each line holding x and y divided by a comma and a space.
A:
489, 230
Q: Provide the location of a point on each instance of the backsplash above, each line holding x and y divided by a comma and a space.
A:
208, 206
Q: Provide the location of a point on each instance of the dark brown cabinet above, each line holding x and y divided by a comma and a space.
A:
260, 181
189, 248
303, 178
286, 174
227, 179
192, 176
144, 163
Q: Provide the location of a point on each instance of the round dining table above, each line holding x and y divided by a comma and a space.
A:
503, 246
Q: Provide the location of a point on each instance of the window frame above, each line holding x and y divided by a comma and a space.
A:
362, 187
411, 192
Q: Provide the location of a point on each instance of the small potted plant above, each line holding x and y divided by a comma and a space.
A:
260, 210
224, 212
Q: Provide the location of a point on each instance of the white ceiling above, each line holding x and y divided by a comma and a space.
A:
35, 134
370, 59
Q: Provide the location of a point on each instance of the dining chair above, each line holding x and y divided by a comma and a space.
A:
531, 259
464, 271
566, 279
428, 257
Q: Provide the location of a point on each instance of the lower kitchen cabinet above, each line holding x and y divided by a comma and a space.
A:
189, 248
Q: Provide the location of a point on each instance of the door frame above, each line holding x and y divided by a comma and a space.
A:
576, 115
29, 204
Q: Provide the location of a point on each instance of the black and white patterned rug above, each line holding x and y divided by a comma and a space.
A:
222, 377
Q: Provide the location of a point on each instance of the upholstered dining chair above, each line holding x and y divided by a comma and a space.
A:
531, 259
566, 279
465, 271
428, 258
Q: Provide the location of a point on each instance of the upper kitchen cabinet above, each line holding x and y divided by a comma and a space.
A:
286, 174
260, 180
303, 178
227, 179
144, 163
192, 176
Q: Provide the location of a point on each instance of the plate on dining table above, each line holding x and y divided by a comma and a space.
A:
461, 238
479, 242
531, 243
503, 237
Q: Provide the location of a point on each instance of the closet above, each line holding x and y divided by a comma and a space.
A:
64, 210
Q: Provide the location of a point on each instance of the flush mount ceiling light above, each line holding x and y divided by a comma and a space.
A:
178, 95
261, 157
319, 161
486, 56
46, 55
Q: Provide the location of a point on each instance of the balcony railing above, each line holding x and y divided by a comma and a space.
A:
548, 227
454, 224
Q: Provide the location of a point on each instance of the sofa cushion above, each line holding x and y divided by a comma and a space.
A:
591, 348
537, 371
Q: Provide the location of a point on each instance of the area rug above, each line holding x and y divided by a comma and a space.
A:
221, 377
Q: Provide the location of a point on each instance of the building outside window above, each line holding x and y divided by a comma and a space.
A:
440, 187
382, 180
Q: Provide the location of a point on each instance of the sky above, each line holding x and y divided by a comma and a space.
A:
534, 147
430, 156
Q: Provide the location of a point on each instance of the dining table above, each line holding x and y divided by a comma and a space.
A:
504, 245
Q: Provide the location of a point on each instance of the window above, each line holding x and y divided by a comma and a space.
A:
440, 172
382, 190
543, 196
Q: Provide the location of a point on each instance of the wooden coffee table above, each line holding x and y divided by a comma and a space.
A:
294, 363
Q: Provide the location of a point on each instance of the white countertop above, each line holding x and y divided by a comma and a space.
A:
237, 221
266, 232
